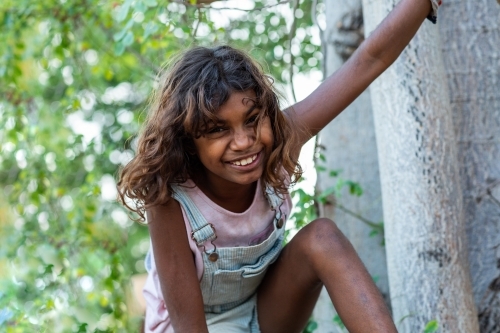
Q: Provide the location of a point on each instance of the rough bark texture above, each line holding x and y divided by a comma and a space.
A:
471, 52
349, 145
423, 209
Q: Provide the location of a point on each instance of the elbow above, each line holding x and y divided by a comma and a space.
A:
372, 60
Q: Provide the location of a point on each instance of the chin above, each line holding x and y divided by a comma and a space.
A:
249, 180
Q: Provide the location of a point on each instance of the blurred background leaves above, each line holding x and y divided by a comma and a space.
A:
75, 77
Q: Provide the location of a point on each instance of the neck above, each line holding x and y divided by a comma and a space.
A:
236, 198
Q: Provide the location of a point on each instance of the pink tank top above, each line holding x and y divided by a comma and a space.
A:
233, 230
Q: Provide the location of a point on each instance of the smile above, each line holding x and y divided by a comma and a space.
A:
245, 161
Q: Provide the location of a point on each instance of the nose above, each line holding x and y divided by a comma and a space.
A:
242, 139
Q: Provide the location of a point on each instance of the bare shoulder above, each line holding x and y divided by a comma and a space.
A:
168, 211
166, 224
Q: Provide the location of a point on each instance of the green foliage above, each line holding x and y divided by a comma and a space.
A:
354, 188
306, 208
306, 203
431, 327
75, 76
310, 327
338, 321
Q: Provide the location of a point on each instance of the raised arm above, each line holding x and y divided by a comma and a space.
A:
176, 269
372, 58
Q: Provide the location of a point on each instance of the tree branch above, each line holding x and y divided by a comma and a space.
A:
374, 225
204, 6
195, 31
495, 200
291, 35
314, 18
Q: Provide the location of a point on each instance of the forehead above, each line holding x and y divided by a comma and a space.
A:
238, 102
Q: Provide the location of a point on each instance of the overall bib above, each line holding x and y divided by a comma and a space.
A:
232, 275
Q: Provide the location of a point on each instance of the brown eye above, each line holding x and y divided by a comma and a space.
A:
252, 119
216, 129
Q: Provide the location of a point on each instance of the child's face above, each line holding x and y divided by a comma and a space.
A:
229, 151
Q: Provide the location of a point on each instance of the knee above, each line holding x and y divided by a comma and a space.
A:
322, 236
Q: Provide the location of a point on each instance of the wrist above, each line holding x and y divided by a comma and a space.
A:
433, 14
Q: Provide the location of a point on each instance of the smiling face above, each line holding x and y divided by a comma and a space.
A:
230, 151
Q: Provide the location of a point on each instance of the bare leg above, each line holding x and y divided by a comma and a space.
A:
320, 255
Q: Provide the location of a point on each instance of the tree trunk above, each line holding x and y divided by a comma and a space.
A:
471, 30
423, 209
349, 145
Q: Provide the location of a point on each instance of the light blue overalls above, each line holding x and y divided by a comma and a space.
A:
232, 275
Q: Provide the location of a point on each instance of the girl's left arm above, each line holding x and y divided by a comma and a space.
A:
372, 58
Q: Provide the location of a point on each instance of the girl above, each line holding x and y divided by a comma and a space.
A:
213, 165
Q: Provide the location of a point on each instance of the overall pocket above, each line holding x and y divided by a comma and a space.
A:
226, 287
254, 274
232, 285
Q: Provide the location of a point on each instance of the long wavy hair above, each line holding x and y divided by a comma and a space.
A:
185, 104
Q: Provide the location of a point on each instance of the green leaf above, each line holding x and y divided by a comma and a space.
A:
17, 71
149, 29
311, 326
334, 173
323, 195
139, 6
431, 327
128, 39
150, 3
122, 14
48, 269
119, 48
119, 35
338, 321
82, 328
354, 188
319, 168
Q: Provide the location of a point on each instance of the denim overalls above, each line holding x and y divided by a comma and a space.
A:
232, 275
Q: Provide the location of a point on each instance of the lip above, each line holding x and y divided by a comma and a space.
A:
250, 166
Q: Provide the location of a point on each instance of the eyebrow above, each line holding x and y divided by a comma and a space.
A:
250, 110
247, 113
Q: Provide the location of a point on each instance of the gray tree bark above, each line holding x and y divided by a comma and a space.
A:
349, 145
471, 47
423, 206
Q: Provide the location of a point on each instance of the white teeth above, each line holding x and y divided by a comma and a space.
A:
245, 161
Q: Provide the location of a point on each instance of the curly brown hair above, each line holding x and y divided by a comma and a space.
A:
191, 91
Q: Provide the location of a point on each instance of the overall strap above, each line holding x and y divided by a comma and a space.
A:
275, 201
201, 230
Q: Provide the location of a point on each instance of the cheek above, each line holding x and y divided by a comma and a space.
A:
201, 149
266, 134
209, 150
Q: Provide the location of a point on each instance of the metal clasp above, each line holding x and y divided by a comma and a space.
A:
212, 256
